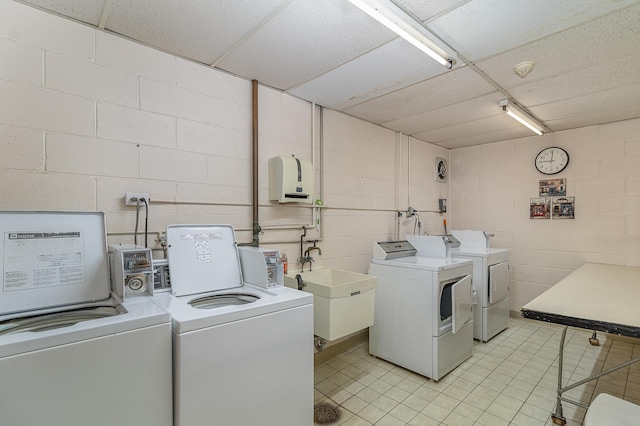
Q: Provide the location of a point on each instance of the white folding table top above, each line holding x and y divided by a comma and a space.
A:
595, 296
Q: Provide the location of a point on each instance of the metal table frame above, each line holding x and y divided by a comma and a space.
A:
585, 289
557, 416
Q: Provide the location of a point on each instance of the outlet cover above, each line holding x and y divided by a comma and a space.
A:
131, 198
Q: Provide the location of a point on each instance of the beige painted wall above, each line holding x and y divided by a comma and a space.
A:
86, 116
492, 185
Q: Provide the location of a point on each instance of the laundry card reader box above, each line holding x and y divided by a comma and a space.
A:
131, 270
261, 267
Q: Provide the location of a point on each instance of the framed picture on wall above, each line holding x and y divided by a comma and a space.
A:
540, 208
563, 207
553, 187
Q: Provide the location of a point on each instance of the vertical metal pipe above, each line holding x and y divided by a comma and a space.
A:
255, 205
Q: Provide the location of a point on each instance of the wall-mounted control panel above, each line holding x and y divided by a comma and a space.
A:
442, 205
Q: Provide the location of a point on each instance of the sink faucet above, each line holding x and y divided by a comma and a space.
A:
307, 257
306, 253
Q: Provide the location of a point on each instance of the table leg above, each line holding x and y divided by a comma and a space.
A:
557, 416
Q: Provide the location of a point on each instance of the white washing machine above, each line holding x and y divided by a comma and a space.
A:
490, 282
423, 313
242, 355
70, 352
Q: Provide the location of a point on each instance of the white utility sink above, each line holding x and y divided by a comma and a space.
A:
343, 301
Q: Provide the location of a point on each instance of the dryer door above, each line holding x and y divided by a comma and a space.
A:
498, 282
461, 301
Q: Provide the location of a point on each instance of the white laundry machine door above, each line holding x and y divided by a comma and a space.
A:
498, 287
461, 301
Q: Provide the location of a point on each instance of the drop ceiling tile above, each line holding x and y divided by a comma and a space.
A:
446, 89
586, 54
390, 67
604, 76
501, 135
602, 40
427, 9
483, 28
305, 40
600, 102
88, 11
474, 109
495, 123
201, 30
595, 117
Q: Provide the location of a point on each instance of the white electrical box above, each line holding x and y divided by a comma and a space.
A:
131, 270
291, 180
261, 267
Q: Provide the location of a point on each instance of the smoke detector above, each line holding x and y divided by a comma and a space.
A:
523, 69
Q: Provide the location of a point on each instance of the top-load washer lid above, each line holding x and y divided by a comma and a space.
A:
202, 258
52, 259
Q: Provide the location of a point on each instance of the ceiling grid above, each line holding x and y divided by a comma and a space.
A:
586, 56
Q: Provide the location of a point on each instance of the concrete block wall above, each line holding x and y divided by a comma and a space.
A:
492, 185
86, 116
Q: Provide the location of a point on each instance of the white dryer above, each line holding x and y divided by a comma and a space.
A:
242, 355
423, 314
490, 282
70, 353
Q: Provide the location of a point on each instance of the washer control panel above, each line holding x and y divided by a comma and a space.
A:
161, 276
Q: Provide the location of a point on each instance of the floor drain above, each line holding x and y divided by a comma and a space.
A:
324, 413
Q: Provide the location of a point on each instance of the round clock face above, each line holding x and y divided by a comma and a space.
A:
552, 160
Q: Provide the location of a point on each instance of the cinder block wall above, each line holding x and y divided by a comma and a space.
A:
86, 116
493, 184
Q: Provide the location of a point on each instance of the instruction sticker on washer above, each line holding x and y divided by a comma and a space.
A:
43, 259
203, 251
203, 247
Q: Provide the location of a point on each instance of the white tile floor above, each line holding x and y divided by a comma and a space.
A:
511, 380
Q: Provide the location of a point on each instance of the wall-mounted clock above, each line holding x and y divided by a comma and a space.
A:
552, 160
442, 170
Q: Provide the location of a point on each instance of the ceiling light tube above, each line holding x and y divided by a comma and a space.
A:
398, 21
522, 117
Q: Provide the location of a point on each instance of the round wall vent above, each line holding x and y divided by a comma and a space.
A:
442, 170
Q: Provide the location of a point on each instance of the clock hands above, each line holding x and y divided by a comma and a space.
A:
548, 161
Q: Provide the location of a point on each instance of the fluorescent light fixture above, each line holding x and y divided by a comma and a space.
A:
522, 117
407, 27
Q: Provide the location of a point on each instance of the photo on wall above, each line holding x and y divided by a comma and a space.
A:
553, 187
540, 208
563, 207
